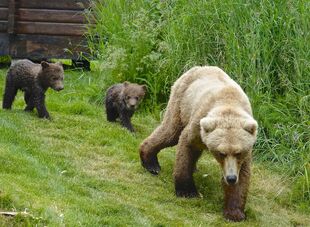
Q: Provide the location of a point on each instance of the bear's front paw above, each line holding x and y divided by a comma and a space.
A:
151, 165
47, 117
28, 109
131, 129
186, 194
234, 215
186, 189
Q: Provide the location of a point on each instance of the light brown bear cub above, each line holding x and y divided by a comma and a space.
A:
122, 100
207, 110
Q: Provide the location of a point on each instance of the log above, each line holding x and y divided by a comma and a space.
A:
49, 15
11, 17
55, 4
4, 13
3, 3
48, 28
3, 26
4, 44
47, 46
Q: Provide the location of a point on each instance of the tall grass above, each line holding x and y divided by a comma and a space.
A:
263, 45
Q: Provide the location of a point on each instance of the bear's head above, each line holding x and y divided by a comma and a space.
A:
53, 75
230, 139
133, 94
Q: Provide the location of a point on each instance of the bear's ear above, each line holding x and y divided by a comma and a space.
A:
59, 63
126, 83
208, 124
44, 64
250, 126
144, 88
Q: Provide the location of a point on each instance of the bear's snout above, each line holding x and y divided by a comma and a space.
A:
231, 179
231, 170
59, 88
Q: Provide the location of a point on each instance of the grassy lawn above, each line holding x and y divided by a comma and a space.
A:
80, 170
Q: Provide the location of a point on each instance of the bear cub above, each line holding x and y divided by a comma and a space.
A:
122, 100
33, 79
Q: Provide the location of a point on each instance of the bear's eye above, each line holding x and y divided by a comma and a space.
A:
238, 155
137, 98
55, 78
127, 97
223, 155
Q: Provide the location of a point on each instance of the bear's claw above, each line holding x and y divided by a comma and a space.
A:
186, 189
151, 165
187, 194
235, 215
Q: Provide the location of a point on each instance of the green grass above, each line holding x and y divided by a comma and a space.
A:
80, 170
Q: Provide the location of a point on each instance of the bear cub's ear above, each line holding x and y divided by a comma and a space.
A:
144, 88
250, 126
44, 64
59, 63
126, 83
208, 124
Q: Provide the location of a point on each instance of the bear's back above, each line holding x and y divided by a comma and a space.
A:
115, 91
204, 87
25, 68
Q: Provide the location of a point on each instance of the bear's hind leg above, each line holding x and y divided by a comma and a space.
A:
29, 101
186, 158
112, 114
9, 96
235, 195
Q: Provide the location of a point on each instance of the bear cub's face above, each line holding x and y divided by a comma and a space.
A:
133, 94
54, 74
230, 143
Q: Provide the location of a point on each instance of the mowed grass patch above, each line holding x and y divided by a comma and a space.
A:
79, 169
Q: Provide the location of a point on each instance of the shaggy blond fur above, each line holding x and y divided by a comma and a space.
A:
207, 110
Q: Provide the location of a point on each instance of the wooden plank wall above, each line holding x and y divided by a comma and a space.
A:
4, 39
44, 29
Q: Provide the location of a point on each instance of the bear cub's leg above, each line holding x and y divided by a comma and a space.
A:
39, 102
125, 117
9, 96
29, 101
112, 113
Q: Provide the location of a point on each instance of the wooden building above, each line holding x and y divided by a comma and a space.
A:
43, 29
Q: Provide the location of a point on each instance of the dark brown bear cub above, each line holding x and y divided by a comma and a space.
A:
33, 79
121, 102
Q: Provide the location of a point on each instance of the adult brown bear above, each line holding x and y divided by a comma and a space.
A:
207, 110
